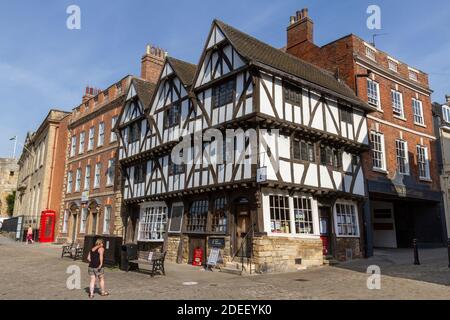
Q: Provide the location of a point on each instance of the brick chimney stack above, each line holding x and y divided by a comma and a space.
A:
152, 63
89, 93
299, 31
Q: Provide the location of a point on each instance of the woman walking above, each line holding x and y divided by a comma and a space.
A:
96, 268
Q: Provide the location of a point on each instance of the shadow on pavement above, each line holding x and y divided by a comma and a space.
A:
400, 263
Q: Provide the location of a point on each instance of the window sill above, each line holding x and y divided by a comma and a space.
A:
293, 235
420, 125
380, 171
349, 237
400, 118
427, 180
379, 109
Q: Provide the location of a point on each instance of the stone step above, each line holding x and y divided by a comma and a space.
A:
330, 262
231, 270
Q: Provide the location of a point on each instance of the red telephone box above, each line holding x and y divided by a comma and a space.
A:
47, 229
198, 257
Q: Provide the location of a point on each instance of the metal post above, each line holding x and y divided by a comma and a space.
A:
416, 253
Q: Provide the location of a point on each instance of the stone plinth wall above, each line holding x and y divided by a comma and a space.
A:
282, 254
348, 248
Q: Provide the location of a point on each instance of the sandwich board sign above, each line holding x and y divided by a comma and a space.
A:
213, 257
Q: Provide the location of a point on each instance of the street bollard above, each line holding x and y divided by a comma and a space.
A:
448, 246
416, 253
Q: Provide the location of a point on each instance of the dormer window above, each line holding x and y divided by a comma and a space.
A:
413, 75
371, 53
393, 65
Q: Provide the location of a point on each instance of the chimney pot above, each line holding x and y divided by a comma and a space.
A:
293, 20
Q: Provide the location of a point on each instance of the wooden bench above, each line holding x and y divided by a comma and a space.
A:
72, 250
155, 260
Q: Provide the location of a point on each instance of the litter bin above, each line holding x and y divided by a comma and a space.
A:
128, 252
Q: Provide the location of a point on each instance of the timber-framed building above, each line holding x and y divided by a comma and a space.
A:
289, 191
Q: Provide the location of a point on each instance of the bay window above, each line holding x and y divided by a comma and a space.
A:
152, 223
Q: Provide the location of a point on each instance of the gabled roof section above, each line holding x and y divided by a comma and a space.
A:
144, 90
184, 70
257, 51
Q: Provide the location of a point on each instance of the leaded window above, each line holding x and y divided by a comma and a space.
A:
346, 114
140, 172
293, 94
219, 216
303, 151
331, 157
223, 94
172, 116
198, 213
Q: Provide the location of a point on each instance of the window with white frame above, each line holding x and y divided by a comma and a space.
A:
65, 221
346, 220
280, 217
87, 178
373, 93
402, 156
413, 75
101, 134
446, 113
303, 215
370, 53
423, 162
69, 181
83, 222
378, 149
110, 172
418, 112
98, 169
393, 65
73, 146
82, 138
107, 219
78, 180
91, 138
113, 124
397, 103
152, 223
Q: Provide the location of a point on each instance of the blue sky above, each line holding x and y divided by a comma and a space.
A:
44, 65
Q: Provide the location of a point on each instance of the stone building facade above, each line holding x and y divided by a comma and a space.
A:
41, 174
9, 170
441, 116
401, 171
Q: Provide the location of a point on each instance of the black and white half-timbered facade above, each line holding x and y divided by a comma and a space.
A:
253, 151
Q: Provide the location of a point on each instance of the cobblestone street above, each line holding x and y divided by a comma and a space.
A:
37, 272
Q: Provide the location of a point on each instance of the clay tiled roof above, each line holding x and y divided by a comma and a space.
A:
184, 70
254, 50
144, 90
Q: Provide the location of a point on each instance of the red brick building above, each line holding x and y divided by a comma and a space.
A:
401, 171
92, 188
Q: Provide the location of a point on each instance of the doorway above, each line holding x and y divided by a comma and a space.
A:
242, 228
325, 223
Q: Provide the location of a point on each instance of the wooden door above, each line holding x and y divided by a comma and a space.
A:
195, 243
243, 225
